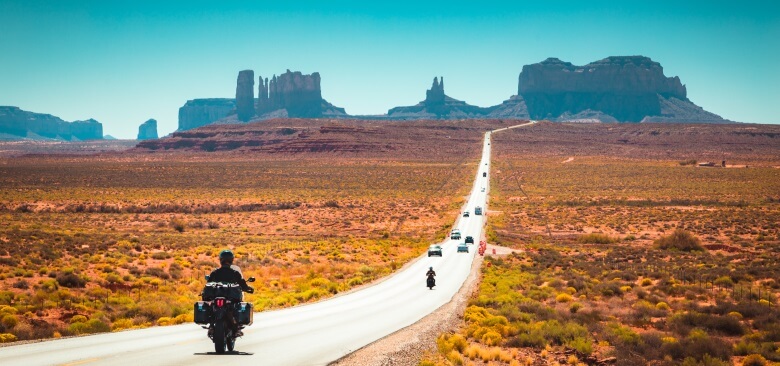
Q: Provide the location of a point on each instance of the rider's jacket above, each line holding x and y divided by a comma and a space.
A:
226, 274
430, 273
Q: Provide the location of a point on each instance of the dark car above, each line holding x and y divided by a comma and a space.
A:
434, 250
469, 240
462, 247
465, 214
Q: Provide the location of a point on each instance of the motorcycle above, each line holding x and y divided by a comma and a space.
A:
431, 282
224, 312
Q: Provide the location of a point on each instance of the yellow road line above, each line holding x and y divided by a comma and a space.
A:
80, 362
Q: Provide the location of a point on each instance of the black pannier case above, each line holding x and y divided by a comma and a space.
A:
213, 290
245, 312
202, 312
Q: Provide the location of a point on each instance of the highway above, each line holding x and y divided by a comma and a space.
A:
312, 334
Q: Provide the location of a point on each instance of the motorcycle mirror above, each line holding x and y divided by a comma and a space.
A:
207, 277
251, 279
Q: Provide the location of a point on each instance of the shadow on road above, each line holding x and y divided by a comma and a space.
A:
233, 353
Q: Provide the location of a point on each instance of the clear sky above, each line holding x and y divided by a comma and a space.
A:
123, 62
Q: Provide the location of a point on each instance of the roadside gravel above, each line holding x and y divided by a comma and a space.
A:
408, 345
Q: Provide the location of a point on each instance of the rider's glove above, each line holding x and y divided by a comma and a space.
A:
251, 290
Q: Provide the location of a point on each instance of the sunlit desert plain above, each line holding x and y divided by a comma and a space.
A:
94, 243
631, 253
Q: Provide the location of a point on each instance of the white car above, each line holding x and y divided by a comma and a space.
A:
455, 234
483, 189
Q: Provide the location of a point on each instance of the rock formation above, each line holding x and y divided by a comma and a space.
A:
245, 95
201, 112
438, 105
148, 130
300, 95
17, 124
615, 89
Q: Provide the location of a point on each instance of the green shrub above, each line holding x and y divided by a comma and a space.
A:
9, 321
7, 338
596, 238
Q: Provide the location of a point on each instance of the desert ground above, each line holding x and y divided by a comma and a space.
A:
118, 240
631, 253
627, 251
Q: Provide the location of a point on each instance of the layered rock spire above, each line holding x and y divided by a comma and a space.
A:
245, 95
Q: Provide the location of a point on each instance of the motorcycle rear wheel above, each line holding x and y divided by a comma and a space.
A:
231, 342
220, 340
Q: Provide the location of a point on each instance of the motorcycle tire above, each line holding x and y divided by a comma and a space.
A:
220, 337
231, 342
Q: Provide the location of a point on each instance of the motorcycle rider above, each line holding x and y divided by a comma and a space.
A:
431, 281
229, 273
430, 272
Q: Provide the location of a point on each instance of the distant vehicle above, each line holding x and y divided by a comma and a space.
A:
465, 214
469, 240
462, 247
484, 174
455, 234
483, 189
434, 250
478, 210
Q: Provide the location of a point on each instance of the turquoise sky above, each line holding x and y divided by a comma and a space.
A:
122, 62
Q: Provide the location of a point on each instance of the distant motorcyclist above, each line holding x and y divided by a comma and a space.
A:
430, 272
229, 273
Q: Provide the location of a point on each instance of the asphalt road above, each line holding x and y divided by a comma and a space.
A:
313, 334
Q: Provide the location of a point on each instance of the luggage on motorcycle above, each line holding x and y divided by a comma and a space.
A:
202, 312
213, 290
245, 313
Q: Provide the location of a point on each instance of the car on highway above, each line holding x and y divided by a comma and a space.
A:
469, 239
462, 247
465, 214
455, 234
478, 210
434, 250
483, 189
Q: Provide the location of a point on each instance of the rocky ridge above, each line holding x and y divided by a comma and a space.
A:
16, 123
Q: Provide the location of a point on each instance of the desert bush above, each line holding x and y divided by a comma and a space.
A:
71, 280
178, 224
7, 338
9, 321
679, 240
121, 324
683, 322
755, 360
596, 238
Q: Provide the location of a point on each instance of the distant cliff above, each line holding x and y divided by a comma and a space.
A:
16, 123
201, 112
615, 89
148, 130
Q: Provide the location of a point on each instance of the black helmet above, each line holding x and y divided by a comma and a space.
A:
431, 268
226, 256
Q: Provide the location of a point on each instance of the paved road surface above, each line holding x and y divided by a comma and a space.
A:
313, 334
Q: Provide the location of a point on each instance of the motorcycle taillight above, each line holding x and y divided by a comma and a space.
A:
220, 303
